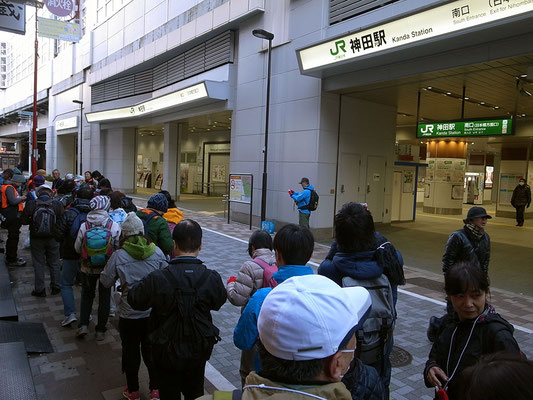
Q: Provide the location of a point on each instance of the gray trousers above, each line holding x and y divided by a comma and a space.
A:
303, 219
45, 251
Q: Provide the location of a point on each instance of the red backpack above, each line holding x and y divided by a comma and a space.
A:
268, 271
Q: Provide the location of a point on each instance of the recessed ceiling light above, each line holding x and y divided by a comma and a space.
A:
448, 93
429, 87
496, 107
467, 98
482, 102
523, 115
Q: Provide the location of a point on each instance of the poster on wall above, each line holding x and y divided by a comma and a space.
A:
408, 181
508, 182
489, 177
218, 173
444, 164
457, 192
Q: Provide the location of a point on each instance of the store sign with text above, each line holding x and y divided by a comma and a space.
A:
451, 17
12, 17
66, 123
494, 127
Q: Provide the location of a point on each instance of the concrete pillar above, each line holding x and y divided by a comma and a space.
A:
171, 159
119, 155
93, 152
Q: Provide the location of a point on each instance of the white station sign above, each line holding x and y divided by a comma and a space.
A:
451, 17
66, 123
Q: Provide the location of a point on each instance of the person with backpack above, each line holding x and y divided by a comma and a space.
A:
66, 192
181, 331
11, 209
66, 232
155, 225
136, 258
254, 274
173, 215
362, 257
293, 246
42, 215
306, 201
96, 240
38, 181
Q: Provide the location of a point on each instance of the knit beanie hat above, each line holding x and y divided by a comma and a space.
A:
38, 180
100, 203
18, 178
132, 225
158, 202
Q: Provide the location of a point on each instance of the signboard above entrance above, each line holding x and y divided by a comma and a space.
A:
495, 127
448, 18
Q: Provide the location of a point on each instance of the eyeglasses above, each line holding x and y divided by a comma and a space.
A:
347, 351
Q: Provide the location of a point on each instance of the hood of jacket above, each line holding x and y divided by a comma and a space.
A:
360, 265
262, 253
98, 217
138, 247
273, 390
173, 215
288, 271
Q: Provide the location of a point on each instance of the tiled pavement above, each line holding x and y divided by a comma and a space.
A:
85, 369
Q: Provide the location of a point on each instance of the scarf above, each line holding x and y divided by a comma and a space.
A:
475, 230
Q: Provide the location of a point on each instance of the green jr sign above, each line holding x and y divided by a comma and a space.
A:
494, 127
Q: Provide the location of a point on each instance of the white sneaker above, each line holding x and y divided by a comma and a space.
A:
69, 319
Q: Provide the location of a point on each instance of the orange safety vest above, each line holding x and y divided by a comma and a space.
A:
5, 204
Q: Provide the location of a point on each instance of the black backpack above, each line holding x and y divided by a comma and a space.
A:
44, 219
313, 201
187, 334
127, 204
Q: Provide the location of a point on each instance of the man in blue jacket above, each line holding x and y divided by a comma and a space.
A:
302, 200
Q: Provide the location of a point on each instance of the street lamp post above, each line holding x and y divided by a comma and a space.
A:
80, 137
262, 34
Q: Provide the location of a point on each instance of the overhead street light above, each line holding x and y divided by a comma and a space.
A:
262, 34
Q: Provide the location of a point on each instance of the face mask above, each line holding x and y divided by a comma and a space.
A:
521, 183
347, 369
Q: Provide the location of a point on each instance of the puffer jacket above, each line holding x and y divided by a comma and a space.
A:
63, 225
118, 215
521, 196
173, 217
364, 382
158, 230
96, 218
249, 278
462, 245
258, 387
491, 334
130, 264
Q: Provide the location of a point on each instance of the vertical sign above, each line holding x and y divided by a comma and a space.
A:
12, 17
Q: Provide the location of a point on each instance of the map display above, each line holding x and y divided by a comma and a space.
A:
240, 188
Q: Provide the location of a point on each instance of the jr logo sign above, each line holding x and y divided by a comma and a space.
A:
339, 45
427, 129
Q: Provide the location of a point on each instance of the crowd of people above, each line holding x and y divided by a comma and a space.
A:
324, 335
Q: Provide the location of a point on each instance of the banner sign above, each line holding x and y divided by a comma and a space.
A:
12, 17
66, 123
59, 30
448, 18
240, 188
495, 127
60, 8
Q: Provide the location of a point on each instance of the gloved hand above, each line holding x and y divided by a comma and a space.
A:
231, 279
291, 192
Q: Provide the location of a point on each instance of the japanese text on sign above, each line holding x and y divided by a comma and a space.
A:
12, 17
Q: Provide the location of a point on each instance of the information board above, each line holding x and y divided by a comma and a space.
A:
240, 188
508, 182
493, 127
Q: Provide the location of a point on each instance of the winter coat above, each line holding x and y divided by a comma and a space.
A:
245, 333
462, 245
56, 183
491, 334
521, 196
303, 198
274, 391
158, 230
26, 217
118, 215
173, 217
130, 264
96, 218
249, 278
63, 225
364, 382
157, 292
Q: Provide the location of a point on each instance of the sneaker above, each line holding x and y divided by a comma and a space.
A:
130, 395
55, 290
154, 394
99, 336
41, 293
18, 263
82, 331
69, 319
112, 313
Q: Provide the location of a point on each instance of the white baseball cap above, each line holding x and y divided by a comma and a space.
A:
308, 317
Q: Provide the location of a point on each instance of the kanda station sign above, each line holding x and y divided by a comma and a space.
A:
60, 8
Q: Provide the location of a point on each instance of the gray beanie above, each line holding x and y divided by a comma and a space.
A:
132, 225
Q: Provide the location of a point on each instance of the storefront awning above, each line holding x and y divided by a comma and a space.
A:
201, 93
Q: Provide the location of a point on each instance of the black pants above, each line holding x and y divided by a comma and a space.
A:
520, 214
134, 337
189, 382
12, 243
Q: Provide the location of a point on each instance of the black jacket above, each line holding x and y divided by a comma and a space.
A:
462, 245
364, 382
157, 292
491, 334
26, 217
56, 183
63, 225
521, 196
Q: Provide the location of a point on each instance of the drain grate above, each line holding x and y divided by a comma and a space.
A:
427, 283
400, 357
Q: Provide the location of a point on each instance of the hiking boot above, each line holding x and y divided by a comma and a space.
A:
82, 331
55, 290
69, 319
17, 263
40, 293
99, 336
130, 395
154, 394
